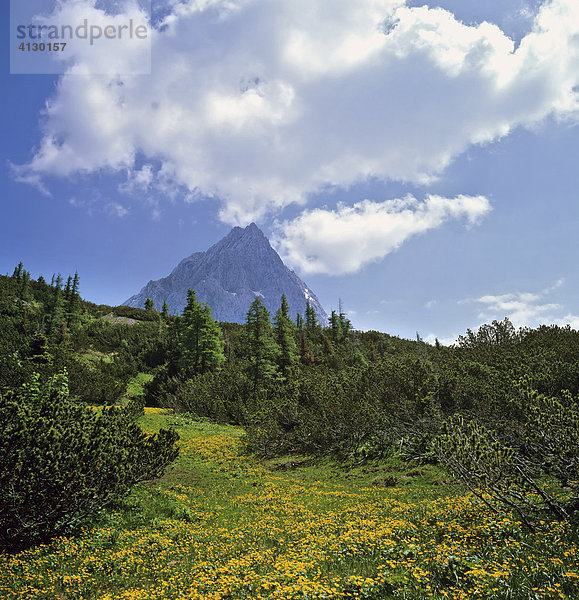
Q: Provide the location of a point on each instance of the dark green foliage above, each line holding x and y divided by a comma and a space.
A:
312, 326
138, 314
39, 353
508, 464
200, 344
306, 355
340, 326
284, 333
73, 302
17, 275
149, 304
262, 350
220, 396
57, 309
61, 462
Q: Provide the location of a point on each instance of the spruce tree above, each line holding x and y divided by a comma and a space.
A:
149, 304
165, 309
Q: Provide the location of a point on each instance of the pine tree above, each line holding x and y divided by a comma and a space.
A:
284, 331
165, 309
262, 350
149, 304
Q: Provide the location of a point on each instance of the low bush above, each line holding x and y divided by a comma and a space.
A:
62, 462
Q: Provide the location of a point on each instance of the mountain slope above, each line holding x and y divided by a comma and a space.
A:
229, 276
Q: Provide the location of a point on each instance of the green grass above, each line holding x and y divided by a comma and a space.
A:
136, 386
90, 357
222, 525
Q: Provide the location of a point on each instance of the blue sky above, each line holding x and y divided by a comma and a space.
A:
417, 161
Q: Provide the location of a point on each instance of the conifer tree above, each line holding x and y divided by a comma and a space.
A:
340, 326
306, 355
312, 325
335, 327
200, 343
299, 322
165, 309
39, 352
149, 304
73, 307
57, 309
262, 350
24, 287
327, 345
284, 331
68, 290
18, 272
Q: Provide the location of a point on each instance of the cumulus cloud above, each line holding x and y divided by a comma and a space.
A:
525, 309
261, 103
344, 240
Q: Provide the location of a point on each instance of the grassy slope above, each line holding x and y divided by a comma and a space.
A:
222, 525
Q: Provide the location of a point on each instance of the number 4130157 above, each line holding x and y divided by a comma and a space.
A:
42, 46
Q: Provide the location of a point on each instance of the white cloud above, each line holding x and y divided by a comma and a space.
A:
114, 209
445, 341
261, 103
525, 309
344, 240
430, 304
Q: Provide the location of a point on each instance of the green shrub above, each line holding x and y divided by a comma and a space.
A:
61, 462
508, 471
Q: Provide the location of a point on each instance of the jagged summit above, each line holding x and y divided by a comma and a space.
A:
229, 275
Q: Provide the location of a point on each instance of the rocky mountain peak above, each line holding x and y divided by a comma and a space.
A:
229, 275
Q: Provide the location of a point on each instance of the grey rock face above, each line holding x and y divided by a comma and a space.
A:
229, 276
